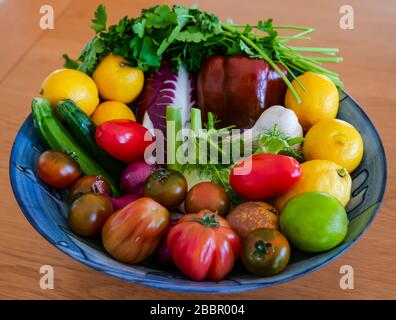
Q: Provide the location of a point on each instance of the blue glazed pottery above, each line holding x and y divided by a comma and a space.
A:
47, 210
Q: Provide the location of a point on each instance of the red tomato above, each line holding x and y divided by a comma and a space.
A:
57, 169
203, 246
207, 195
270, 176
123, 139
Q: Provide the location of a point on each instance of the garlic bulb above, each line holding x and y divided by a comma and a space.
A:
286, 120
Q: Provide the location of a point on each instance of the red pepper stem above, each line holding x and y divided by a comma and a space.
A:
274, 66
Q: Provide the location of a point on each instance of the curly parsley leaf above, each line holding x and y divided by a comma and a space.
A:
138, 28
159, 17
100, 20
90, 55
147, 53
70, 63
267, 27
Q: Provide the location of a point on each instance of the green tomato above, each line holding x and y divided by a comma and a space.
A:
314, 221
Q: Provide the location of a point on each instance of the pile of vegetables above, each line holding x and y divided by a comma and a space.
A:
233, 152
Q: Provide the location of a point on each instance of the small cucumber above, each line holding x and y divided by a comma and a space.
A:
58, 138
83, 129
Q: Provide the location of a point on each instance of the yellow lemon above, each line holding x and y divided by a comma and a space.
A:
116, 80
322, 176
71, 84
334, 140
319, 102
112, 110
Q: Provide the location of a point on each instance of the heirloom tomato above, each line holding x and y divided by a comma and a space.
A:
203, 246
131, 234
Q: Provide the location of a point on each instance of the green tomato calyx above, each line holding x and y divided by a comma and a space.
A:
209, 220
262, 248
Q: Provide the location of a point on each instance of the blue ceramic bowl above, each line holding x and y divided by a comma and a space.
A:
46, 209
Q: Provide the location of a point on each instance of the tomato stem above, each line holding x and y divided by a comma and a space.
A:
162, 174
209, 220
262, 248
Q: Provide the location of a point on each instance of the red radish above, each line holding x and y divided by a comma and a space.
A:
123, 201
134, 176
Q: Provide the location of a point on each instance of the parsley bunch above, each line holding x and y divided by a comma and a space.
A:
188, 36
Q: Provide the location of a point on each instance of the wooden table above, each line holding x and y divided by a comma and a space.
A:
28, 54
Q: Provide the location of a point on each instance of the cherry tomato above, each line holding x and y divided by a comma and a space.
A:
87, 184
207, 195
123, 139
265, 252
57, 169
89, 213
167, 187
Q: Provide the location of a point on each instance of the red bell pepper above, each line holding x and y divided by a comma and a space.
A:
238, 89
203, 246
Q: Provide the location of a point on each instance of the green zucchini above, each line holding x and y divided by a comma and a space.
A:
58, 138
83, 129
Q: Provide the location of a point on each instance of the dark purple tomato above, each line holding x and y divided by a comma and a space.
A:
167, 187
265, 252
89, 213
88, 184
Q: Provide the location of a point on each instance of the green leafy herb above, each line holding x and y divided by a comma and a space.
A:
274, 141
99, 23
188, 36
70, 63
91, 54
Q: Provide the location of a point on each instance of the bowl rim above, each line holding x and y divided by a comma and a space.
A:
196, 289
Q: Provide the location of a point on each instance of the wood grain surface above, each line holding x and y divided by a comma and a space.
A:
28, 54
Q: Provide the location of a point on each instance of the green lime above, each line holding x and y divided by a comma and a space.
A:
314, 221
